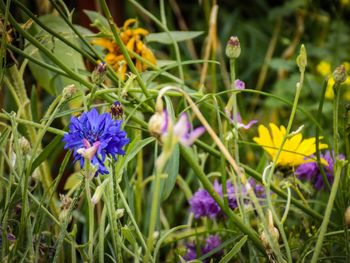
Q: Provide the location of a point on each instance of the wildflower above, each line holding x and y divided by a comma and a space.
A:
203, 205
160, 125
324, 68
132, 39
212, 242
233, 47
240, 124
95, 136
294, 150
182, 131
239, 84
311, 172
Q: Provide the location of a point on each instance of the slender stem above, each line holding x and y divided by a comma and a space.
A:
123, 48
273, 166
90, 212
101, 236
129, 212
338, 165
166, 30
318, 155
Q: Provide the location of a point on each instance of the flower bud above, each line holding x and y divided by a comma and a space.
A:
233, 47
340, 75
302, 59
158, 123
98, 192
69, 91
24, 145
347, 216
99, 73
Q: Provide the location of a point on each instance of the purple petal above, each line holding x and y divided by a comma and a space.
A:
189, 139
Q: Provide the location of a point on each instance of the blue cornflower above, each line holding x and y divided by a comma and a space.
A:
94, 136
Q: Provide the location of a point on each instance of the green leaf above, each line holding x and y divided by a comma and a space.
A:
178, 36
172, 166
52, 146
3, 136
133, 148
234, 250
129, 235
52, 82
97, 20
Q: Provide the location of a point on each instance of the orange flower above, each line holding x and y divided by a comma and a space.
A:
132, 38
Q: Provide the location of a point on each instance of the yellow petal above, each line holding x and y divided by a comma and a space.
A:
128, 23
277, 135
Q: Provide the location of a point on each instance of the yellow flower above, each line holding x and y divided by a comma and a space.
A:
324, 68
132, 39
294, 151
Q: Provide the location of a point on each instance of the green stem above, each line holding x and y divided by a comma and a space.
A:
66, 221
123, 48
166, 30
338, 165
274, 163
132, 218
101, 236
90, 212
318, 155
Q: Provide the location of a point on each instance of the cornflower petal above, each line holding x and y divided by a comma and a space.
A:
95, 136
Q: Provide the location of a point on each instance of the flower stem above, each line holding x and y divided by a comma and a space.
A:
338, 165
90, 214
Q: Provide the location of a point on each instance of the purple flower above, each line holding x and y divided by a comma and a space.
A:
212, 242
239, 84
310, 171
240, 123
95, 136
191, 252
202, 204
182, 129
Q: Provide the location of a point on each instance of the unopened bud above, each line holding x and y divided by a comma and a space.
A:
158, 123
340, 75
233, 47
302, 59
69, 91
24, 145
99, 73
347, 216
98, 192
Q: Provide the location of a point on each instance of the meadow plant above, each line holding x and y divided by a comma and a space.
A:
132, 143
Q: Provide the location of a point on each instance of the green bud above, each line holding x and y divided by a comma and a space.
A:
302, 59
233, 47
340, 75
98, 75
